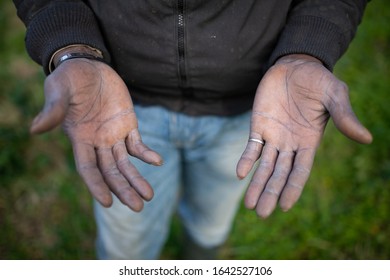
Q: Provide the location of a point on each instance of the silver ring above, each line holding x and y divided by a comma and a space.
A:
256, 140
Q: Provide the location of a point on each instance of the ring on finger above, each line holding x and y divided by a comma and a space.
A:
260, 141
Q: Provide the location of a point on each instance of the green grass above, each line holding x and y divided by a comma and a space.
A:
46, 212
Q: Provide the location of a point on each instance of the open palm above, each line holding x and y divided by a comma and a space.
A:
94, 106
292, 106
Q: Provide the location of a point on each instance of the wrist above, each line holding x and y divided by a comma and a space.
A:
297, 57
74, 51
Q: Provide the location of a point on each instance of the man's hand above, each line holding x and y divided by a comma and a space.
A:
292, 106
94, 106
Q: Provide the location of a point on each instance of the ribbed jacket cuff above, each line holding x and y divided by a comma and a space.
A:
59, 25
313, 36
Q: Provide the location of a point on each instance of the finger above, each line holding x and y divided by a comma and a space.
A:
248, 158
130, 172
299, 175
270, 196
261, 176
345, 119
54, 110
138, 149
116, 182
86, 164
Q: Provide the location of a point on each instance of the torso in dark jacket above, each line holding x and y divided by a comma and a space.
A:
193, 56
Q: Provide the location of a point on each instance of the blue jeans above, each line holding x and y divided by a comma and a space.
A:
198, 180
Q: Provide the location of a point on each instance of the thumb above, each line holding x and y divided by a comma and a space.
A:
345, 119
55, 108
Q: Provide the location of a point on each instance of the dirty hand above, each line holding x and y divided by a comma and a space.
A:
94, 106
292, 106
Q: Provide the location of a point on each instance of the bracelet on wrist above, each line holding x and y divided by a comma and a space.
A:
69, 56
74, 51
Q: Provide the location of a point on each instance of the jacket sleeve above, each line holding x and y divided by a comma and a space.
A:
321, 28
52, 25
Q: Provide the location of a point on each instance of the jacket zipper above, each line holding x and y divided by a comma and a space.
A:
180, 43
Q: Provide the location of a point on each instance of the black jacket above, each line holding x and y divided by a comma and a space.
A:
193, 56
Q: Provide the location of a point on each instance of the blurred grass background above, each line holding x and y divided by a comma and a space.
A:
344, 212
